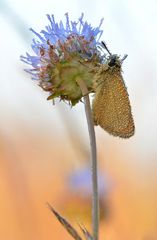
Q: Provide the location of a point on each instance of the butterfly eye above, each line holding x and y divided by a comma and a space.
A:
112, 62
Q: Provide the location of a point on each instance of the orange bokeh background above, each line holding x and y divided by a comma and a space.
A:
33, 171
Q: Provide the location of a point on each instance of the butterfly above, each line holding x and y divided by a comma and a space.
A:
111, 105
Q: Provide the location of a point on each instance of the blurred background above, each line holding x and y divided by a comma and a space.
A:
44, 149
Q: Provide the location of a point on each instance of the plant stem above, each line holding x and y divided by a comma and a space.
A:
95, 197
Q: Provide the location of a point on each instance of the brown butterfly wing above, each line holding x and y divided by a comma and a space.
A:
111, 106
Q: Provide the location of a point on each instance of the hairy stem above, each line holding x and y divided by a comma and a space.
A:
95, 197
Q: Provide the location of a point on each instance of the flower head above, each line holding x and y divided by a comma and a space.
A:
62, 55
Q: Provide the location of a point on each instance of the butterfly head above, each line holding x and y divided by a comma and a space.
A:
113, 60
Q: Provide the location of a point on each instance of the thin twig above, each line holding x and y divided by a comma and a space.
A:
95, 197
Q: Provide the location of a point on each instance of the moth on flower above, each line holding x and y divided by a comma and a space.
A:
65, 53
111, 105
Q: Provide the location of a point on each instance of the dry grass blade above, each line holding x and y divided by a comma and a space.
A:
87, 235
65, 223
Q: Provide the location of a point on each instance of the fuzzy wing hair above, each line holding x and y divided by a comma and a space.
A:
111, 106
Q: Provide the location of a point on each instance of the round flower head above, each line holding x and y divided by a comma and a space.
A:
62, 55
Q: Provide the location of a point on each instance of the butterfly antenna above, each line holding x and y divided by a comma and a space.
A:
125, 56
105, 46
